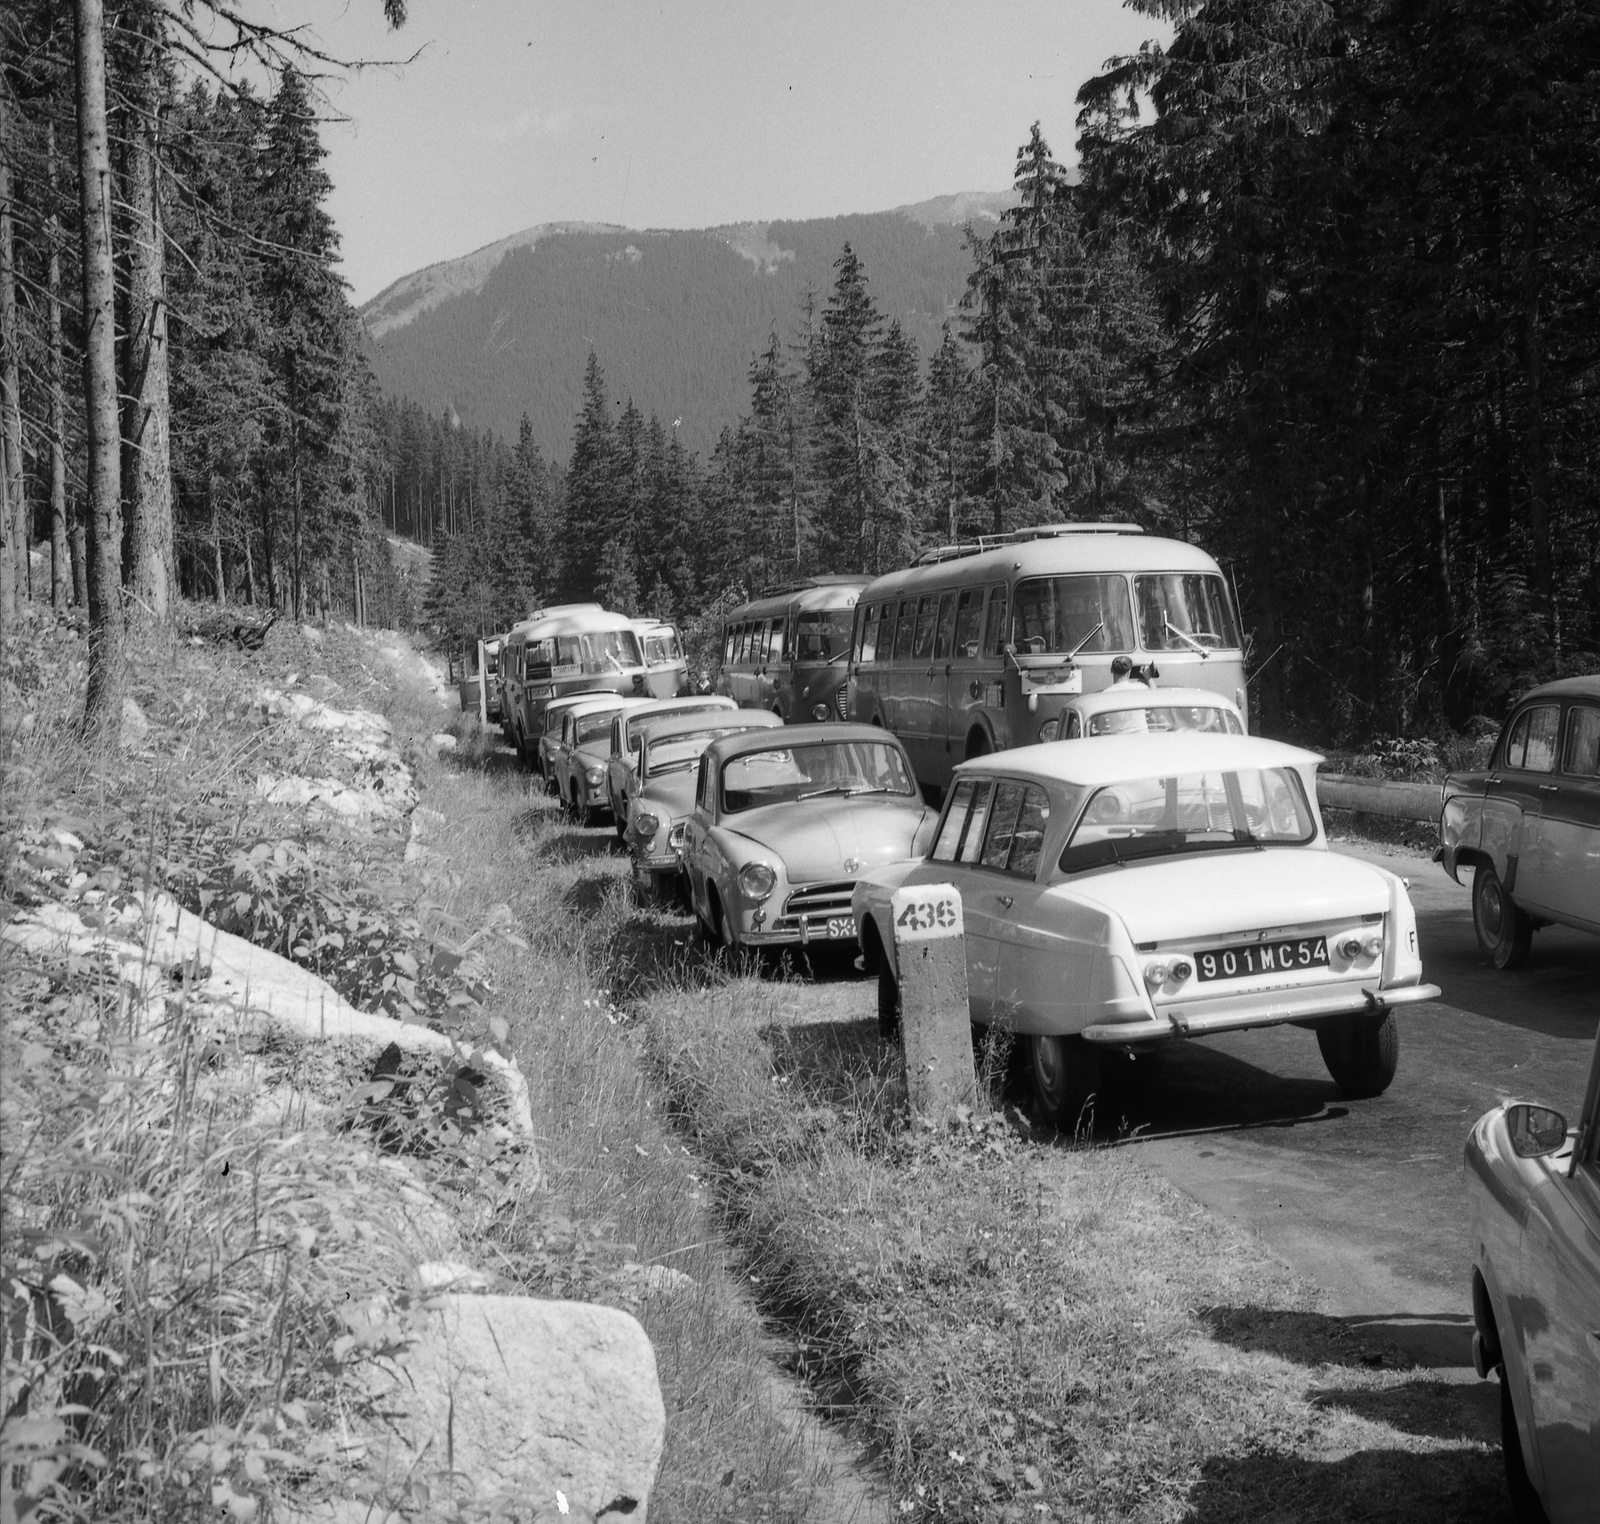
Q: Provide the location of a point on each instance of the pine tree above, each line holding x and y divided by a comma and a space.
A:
591, 486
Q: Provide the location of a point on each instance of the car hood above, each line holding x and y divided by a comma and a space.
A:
588, 756
816, 839
671, 795
1214, 893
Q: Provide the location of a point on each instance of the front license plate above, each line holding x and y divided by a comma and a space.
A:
841, 926
1262, 958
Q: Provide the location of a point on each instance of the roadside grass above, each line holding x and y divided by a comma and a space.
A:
1025, 1329
627, 1216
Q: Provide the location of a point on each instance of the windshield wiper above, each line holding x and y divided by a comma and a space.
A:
1188, 640
832, 788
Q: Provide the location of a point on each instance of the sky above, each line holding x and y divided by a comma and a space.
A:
690, 114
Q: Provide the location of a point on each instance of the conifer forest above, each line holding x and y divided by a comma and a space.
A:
1323, 299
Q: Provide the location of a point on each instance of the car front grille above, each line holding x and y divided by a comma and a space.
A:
820, 899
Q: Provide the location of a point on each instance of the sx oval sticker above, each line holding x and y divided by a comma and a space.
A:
929, 910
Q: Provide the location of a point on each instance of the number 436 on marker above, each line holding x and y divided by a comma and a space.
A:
929, 910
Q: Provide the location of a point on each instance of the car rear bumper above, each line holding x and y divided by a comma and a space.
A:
1275, 1009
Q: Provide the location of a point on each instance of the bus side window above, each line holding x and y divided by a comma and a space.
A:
969, 624
905, 629
866, 632
927, 617
727, 644
886, 628
775, 650
947, 624
994, 635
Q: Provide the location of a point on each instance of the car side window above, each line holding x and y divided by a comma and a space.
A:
948, 842
994, 632
1027, 841
1002, 825
1072, 726
1580, 758
703, 789
616, 738
1531, 745
977, 818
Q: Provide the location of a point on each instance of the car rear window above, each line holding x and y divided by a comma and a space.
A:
1581, 758
1165, 717
1190, 812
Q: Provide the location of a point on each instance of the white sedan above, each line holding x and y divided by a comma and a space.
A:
1145, 889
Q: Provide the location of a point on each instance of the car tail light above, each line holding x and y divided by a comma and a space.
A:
1155, 975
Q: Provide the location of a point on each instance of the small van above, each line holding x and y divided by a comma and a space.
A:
976, 648
788, 651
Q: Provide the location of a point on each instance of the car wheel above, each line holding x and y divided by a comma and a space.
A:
1066, 1077
888, 1001
1361, 1052
1503, 929
1526, 1505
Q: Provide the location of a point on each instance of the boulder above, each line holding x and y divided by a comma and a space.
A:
536, 1410
134, 728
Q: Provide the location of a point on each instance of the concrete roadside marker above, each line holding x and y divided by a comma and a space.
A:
935, 1023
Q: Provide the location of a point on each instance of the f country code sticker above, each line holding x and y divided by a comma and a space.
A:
926, 912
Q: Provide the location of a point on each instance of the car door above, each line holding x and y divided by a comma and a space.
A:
1516, 795
694, 832
1560, 1324
954, 859
1569, 824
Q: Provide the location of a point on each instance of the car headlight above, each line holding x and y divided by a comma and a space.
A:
1050, 729
757, 880
595, 775
645, 824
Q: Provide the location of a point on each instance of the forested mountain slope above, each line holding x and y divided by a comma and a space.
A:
676, 317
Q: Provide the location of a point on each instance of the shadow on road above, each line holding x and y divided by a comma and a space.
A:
1464, 1486
1433, 1340
574, 844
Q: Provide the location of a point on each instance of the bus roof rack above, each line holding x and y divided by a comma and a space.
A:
821, 579
1015, 537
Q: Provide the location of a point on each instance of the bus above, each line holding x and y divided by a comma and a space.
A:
662, 647
575, 648
976, 648
788, 651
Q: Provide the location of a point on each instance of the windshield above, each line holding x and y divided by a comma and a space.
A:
1190, 812
596, 727
823, 769
679, 752
662, 650
1179, 611
1056, 615
822, 636
603, 651
1164, 717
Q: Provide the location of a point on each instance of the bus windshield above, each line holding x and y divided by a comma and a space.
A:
1185, 611
823, 636
1190, 812
830, 769
591, 655
1056, 615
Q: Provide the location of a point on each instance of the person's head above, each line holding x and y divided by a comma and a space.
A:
1121, 666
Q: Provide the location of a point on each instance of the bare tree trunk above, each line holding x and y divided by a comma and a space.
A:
13, 505
297, 547
99, 373
266, 551
1534, 432
60, 559
146, 421
249, 571
79, 552
216, 538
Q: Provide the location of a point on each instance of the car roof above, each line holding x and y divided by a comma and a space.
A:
1120, 759
1586, 686
802, 735
1140, 697
652, 707
598, 701
661, 727
567, 700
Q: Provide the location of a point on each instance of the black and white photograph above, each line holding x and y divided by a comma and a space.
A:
815, 764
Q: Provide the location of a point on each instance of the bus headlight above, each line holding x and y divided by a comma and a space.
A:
1050, 729
757, 880
819, 711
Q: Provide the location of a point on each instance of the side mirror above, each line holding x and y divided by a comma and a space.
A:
1535, 1130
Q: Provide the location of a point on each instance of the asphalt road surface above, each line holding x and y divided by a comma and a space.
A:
1367, 1198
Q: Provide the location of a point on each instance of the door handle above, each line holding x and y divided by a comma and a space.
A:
930, 672
1005, 899
1549, 788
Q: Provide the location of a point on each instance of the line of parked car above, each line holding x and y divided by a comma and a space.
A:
1170, 880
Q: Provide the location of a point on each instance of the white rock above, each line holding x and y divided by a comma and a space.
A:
450, 1275
443, 742
529, 1398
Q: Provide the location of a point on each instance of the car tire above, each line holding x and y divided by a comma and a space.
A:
888, 1001
1066, 1078
1526, 1505
1503, 929
1362, 1053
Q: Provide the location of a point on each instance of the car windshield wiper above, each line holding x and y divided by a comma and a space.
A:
672, 767
832, 788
